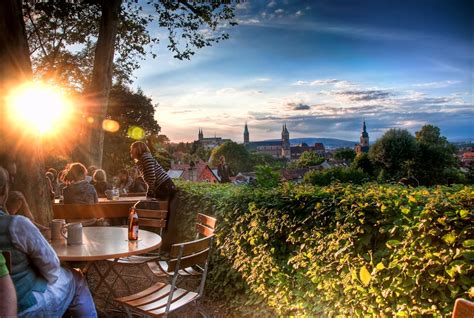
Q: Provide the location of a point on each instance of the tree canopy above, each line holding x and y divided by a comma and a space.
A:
236, 156
135, 114
62, 36
308, 159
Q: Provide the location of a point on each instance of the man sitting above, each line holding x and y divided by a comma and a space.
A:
43, 287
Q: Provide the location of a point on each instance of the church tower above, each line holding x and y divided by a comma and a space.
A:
364, 136
363, 146
246, 135
200, 135
285, 143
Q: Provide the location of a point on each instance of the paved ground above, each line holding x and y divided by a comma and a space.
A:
204, 308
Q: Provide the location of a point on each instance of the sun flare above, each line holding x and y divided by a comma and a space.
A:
39, 107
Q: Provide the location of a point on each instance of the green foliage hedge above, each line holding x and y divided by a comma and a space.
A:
337, 251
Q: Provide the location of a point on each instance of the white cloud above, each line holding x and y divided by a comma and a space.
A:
440, 84
264, 79
271, 4
279, 11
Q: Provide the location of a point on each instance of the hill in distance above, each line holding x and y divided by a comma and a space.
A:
327, 142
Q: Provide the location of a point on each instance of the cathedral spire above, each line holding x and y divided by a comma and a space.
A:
246, 134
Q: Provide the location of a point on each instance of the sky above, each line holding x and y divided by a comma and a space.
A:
322, 67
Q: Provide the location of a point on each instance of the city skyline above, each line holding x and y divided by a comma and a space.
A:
323, 67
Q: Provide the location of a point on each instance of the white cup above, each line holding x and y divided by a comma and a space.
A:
57, 229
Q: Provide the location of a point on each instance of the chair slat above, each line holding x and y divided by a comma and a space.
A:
190, 247
204, 230
206, 220
158, 286
152, 205
163, 300
158, 223
178, 303
152, 214
153, 300
463, 308
188, 261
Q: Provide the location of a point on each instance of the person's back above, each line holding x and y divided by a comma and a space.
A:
79, 190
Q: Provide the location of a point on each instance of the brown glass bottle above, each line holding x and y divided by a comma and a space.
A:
133, 225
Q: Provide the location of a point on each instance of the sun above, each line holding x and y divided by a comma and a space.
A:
39, 107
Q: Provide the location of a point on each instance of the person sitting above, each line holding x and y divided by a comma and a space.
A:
90, 173
124, 181
55, 182
99, 181
78, 190
17, 205
49, 181
7, 291
43, 287
138, 184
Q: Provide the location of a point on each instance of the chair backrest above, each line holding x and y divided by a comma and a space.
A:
152, 213
188, 254
205, 225
463, 308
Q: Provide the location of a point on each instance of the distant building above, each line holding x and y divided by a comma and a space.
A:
246, 135
198, 172
363, 146
209, 142
276, 148
297, 151
467, 158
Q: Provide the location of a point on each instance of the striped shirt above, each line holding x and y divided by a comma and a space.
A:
153, 174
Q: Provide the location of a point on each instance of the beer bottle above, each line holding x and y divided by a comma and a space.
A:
133, 225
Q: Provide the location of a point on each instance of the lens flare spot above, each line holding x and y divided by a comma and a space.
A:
110, 125
136, 132
39, 107
90, 120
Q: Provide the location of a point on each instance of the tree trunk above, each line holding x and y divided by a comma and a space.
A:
101, 82
15, 68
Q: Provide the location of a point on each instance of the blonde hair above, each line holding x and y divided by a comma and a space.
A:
140, 148
99, 175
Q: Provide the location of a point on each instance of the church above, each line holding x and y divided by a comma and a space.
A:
209, 142
363, 145
276, 148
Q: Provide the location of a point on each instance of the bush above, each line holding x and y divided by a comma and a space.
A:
340, 174
343, 250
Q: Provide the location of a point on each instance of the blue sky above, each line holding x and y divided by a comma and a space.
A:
322, 67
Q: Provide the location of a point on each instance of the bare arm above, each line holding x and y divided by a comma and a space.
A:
8, 303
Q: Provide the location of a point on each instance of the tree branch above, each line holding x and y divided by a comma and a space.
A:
196, 11
35, 30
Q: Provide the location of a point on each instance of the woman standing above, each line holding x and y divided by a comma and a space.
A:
159, 183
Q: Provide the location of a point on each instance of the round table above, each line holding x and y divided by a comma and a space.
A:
102, 242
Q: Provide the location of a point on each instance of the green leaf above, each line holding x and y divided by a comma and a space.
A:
449, 238
380, 266
468, 243
364, 276
392, 243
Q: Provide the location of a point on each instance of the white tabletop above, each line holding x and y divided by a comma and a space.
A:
101, 242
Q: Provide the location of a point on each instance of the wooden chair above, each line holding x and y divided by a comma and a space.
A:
151, 214
161, 298
205, 227
463, 309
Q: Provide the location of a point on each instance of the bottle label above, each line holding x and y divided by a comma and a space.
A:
135, 231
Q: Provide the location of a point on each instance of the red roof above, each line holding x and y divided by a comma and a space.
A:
468, 155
